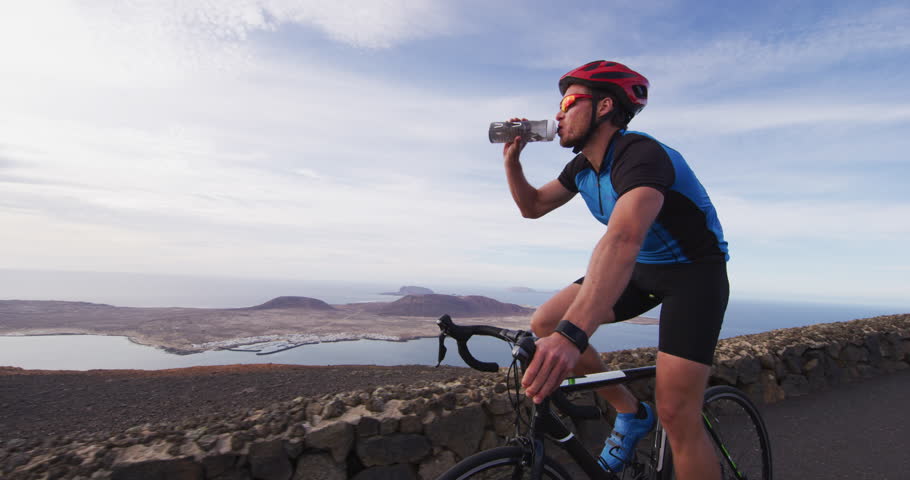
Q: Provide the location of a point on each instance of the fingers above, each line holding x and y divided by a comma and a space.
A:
513, 148
549, 367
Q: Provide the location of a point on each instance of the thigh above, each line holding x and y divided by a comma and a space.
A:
635, 299
694, 301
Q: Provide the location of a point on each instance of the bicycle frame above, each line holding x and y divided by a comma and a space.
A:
546, 423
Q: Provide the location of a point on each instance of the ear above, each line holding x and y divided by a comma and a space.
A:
604, 106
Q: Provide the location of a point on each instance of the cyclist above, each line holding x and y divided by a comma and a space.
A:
663, 245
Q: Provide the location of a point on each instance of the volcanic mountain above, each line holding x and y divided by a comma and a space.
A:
434, 305
304, 303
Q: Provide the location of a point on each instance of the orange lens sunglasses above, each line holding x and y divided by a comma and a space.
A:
570, 100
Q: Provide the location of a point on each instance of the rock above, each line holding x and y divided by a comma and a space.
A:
725, 373
874, 346
336, 437
410, 424
388, 426
333, 409
418, 406
319, 466
504, 425
489, 441
748, 369
216, 466
176, 469
391, 472
387, 450
293, 448
207, 442
269, 461
376, 405
459, 431
499, 405
793, 359
448, 400
810, 365
433, 467
853, 354
367, 427
795, 385
833, 349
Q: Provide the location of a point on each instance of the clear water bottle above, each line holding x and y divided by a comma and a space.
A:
528, 130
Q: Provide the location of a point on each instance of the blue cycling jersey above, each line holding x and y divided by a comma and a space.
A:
686, 230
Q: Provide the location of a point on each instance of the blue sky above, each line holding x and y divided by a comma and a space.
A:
346, 140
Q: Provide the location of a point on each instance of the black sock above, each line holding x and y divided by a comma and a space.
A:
642, 413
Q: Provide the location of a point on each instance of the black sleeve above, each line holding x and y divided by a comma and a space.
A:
567, 177
643, 163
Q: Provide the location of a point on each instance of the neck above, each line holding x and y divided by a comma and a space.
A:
598, 144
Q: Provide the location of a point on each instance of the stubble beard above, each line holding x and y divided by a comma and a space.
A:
569, 142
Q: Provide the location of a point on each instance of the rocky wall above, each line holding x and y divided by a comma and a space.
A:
401, 432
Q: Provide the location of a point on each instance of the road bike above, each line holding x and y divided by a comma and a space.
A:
734, 425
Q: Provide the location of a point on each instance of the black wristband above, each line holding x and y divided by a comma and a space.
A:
575, 335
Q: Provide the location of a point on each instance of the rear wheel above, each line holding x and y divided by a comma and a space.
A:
738, 434
501, 463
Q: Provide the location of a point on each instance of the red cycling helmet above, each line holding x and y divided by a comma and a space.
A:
629, 86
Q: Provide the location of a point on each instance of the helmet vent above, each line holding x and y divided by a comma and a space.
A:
640, 91
613, 75
592, 66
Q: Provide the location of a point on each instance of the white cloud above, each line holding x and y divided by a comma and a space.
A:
154, 43
836, 220
774, 57
781, 112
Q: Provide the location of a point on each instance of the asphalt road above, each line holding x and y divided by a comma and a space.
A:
860, 430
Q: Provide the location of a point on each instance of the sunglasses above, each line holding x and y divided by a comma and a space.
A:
570, 100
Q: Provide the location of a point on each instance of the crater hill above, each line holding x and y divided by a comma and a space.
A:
435, 305
303, 303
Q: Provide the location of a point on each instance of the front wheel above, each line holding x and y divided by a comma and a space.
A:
738, 434
501, 463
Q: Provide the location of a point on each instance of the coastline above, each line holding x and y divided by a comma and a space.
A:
264, 345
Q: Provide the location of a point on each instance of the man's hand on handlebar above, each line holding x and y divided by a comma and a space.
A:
556, 356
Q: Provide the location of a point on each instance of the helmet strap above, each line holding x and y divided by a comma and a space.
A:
594, 123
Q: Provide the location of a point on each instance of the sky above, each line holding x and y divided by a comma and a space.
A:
346, 140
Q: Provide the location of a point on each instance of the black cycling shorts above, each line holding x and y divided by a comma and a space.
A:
693, 297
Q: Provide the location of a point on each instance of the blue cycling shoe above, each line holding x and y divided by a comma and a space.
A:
627, 431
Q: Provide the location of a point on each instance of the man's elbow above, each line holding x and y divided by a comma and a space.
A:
529, 213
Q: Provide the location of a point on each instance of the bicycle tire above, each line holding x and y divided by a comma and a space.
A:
738, 434
500, 463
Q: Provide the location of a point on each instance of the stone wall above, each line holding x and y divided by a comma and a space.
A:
400, 432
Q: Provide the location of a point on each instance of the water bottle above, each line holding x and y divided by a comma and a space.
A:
528, 130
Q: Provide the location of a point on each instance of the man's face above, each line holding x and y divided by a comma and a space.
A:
573, 123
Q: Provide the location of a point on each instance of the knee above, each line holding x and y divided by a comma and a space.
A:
679, 414
544, 321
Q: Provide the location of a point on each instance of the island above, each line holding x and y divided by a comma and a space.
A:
410, 290
276, 325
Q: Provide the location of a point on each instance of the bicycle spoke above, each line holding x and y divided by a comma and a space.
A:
737, 439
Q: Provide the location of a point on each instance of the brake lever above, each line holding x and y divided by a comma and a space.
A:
442, 349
